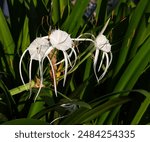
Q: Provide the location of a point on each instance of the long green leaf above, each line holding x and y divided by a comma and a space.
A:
103, 108
55, 11
134, 22
87, 115
63, 4
144, 106
24, 38
135, 68
6, 39
74, 20
86, 75
143, 32
132, 73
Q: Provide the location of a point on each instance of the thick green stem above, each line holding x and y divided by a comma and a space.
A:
22, 88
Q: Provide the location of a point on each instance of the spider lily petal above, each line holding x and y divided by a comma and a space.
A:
20, 66
102, 59
106, 67
53, 72
61, 117
30, 70
66, 66
82, 37
95, 63
105, 26
54, 77
41, 78
69, 56
75, 57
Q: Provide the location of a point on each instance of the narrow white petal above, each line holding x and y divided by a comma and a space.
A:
105, 26
111, 57
54, 77
83, 39
57, 119
66, 66
30, 72
69, 60
100, 65
20, 66
95, 63
75, 57
70, 54
53, 72
106, 67
59, 62
48, 51
41, 77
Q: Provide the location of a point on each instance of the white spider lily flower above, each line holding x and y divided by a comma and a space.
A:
63, 42
101, 43
37, 50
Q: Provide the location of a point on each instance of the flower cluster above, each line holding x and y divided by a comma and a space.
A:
59, 40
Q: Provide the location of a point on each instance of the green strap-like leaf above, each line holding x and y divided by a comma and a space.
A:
134, 22
6, 40
85, 115
132, 74
74, 20
143, 107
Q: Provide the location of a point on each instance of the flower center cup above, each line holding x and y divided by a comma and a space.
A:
61, 40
